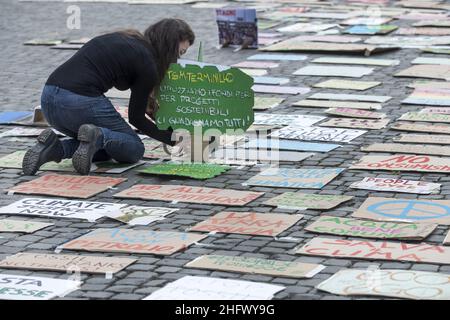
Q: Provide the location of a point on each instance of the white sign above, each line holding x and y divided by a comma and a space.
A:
396, 185
286, 119
137, 215
330, 71
208, 288
317, 134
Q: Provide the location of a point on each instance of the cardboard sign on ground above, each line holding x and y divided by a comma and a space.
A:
425, 31
409, 42
415, 127
441, 110
67, 186
409, 210
133, 241
430, 71
258, 224
305, 27
295, 178
209, 288
349, 97
402, 162
347, 84
26, 226
189, 194
330, 71
376, 250
198, 171
367, 21
141, 216
261, 155
280, 57
17, 287
396, 185
427, 60
280, 144
311, 103
254, 72
407, 284
370, 229
426, 117
24, 132
363, 61
447, 239
264, 103
65, 262
370, 124
270, 80
60, 208
423, 138
303, 201
370, 30
432, 95
260, 88
407, 148
355, 113
317, 134
290, 269
256, 64
286, 119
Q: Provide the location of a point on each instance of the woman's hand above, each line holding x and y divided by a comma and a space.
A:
152, 108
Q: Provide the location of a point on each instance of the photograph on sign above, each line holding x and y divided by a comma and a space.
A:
423, 138
281, 144
376, 250
312, 103
60, 208
314, 178
237, 27
407, 148
17, 287
190, 194
209, 288
407, 210
370, 229
66, 263
25, 226
396, 185
317, 134
369, 124
68, 186
279, 268
416, 127
355, 113
303, 201
330, 71
133, 241
142, 216
403, 162
347, 84
349, 97
260, 224
407, 284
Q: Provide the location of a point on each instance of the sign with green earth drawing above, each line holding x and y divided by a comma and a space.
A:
209, 96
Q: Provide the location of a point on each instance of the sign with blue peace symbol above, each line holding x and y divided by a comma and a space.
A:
410, 209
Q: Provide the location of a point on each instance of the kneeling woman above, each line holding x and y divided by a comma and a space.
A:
73, 100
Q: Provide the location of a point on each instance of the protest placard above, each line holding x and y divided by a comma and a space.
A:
407, 148
281, 144
65, 262
24, 132
347, 84
367, 21
369, 124
427, 60
423, 138
264, 103
278, 119
407, 284
133, 241
237, 27
60, 208
305, 27
370, 30
402, 162
349, 97
430, 71
261, 224
139, 215
261, 88
303, 201
17, 287
396, 185
261, 155
199, 171
189, 194
376, 250
355, 113
370, 229
441, 110
409, 210
26, 226
426, 117
409, 42
209, 288
252, 265
339, 71
312, 103
317, 134
256, 64
447, 239
415, 127
314, 178
363, 61
67, 185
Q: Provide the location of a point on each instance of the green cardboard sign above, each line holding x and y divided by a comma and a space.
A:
191, 170
192, 95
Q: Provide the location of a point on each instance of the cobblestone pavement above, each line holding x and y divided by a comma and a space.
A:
24, 70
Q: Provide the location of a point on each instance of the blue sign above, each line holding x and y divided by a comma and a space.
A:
410, 209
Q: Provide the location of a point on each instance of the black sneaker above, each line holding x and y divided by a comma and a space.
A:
89, 137
48, 148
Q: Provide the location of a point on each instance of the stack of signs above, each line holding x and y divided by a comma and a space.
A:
276, 268
370, 124
409, 210
376, 250
294, 178
303, 201
209, 288
59, 208
396, 185
407, 284
258, 224
65, 262
67, 186
133, 241
192, 170
237, 27
137, 215
370, 229
10, 225
401, 162
317, 134
16, 287
189, 194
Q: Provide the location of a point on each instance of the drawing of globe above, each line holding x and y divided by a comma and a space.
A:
410, 209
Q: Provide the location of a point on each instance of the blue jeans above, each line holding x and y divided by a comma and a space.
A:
67, 111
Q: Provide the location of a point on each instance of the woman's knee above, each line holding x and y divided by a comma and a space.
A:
137, 151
